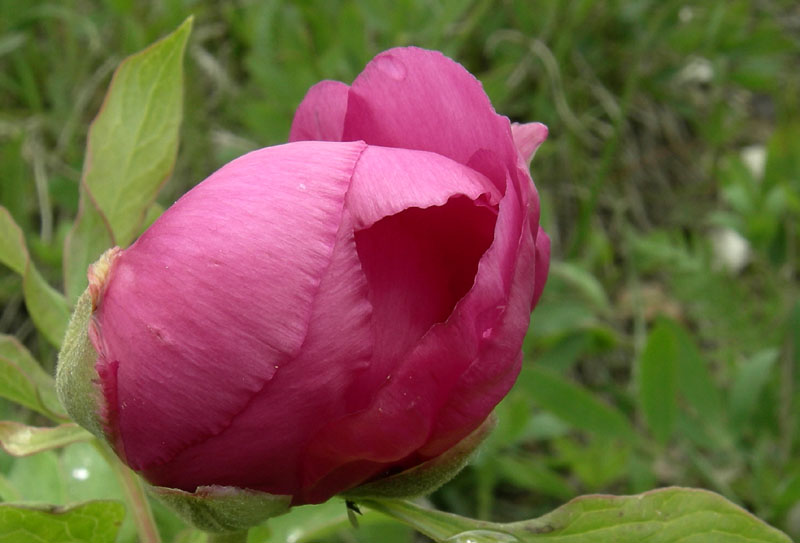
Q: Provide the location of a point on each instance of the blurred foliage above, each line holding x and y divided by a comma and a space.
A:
666, 349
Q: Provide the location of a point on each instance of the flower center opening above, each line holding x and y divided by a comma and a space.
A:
419, 263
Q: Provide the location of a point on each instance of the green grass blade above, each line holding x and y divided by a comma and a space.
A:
574, 404
657, 381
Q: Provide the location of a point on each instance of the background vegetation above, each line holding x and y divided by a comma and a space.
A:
666, 350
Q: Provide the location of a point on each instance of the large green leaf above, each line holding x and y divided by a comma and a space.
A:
90, 522
23, 380
46, 306
21, 440
670, 515
657, 380
574, 404
130, 153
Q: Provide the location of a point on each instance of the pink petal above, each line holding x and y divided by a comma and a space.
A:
528, 137
481, 337
210, 285
388, 181
275, 426
542, 264
419, 264
418, 99
424, 221
485, 378
320, 116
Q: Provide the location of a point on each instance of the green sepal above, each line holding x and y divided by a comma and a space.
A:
428, 476
76, 375
218, 509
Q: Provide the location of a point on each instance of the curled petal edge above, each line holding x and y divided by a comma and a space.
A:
527, 138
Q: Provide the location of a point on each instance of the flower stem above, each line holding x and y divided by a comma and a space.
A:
134, 493
228, 537
437, 525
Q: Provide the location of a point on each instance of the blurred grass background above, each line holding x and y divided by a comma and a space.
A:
666, 350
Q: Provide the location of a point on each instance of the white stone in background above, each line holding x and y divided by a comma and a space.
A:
686, 14
731, 250
755, 158
697, 70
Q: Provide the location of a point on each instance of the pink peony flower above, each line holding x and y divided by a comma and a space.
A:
318, 314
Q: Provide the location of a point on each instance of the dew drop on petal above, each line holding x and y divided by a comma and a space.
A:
390, 66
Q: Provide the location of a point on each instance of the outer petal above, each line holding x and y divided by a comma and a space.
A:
187, 331
418, 99
542, 264
263, 446
402, 417
422, 223
487, 378
528, 137
320, 116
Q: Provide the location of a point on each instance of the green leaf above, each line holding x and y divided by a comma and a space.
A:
7, 491
581, 282
748, 383
20, 440
533, 474
22, 380
130, 153
657, 380
90, 522
86, 241
574, 404
670, 515
694, 382
38, 478
314, 523
783, 155
46, 306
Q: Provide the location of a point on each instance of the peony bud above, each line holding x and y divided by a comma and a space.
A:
330, 312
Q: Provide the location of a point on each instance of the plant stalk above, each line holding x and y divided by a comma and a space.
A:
437, 525
135, 496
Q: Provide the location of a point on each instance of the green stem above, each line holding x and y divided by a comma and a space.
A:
437, 525
135, 495
228, 537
